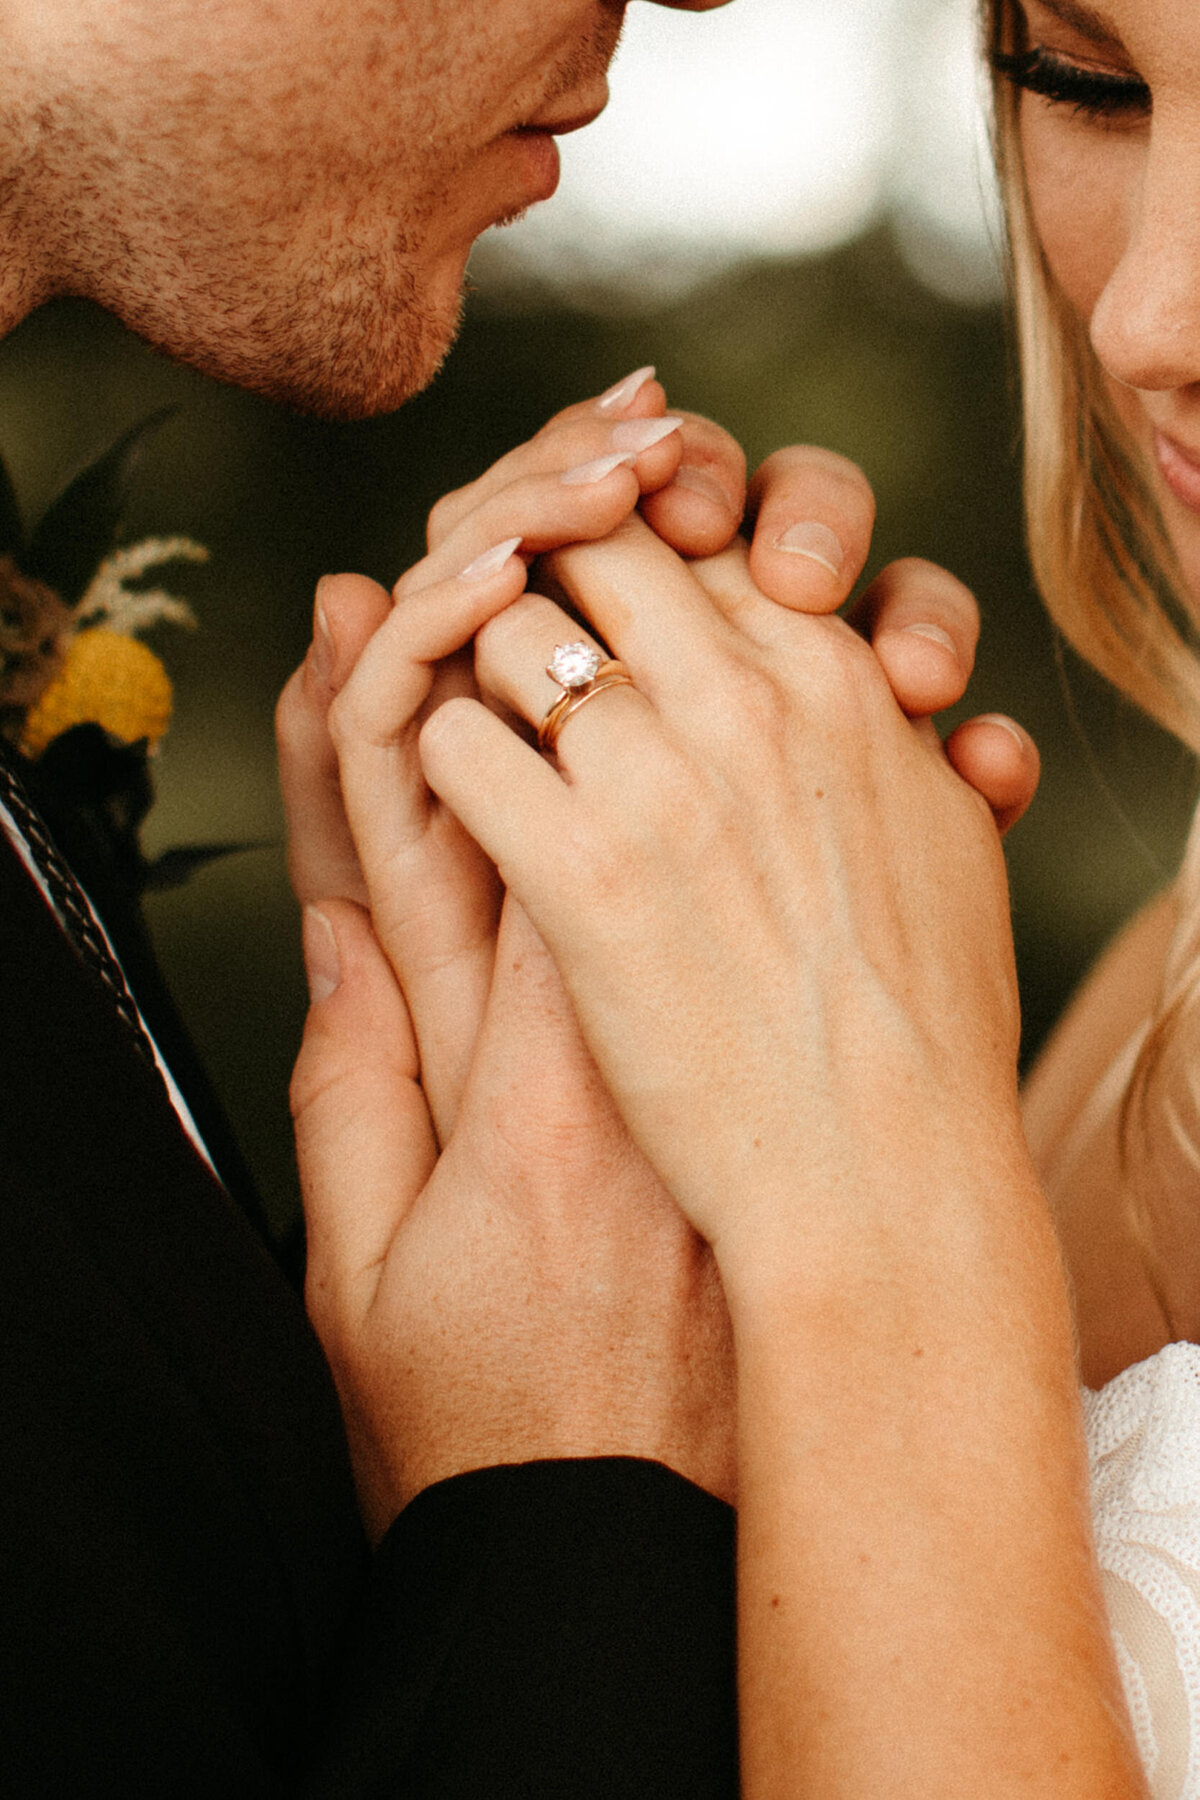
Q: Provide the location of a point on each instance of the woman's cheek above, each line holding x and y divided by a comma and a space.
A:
1084, 188
1082, 183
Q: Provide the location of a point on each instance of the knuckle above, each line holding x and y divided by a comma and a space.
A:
603, 866
346, 717
709, 442
603, 860
360, 715
445, 721
513, 630
848, 681
678, 806
567, 416
745, 700
445, 513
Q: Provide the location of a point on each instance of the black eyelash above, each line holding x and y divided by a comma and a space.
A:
1091, 93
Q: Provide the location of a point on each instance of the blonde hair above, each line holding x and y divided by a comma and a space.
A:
1105, 567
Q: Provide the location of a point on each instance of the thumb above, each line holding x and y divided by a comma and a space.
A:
322, 858
364, 1141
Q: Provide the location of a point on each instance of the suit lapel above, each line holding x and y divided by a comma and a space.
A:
87, 1129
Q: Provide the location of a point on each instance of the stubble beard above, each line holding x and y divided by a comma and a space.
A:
332, 311
332, 349
352, 333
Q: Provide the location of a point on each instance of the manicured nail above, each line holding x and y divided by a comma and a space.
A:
642, 434
935, 634
585, 473
1008, 725
322, 643
811, 538
624, 393
322, 963
491, 561
701, 482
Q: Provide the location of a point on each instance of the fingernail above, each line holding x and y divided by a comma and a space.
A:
491, 561
322, 644
701, 482
811, 538
624, 393
585, 473
1012, 729
935, 634
643, 434
322, 963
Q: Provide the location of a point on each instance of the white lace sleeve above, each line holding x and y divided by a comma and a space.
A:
1143, 1434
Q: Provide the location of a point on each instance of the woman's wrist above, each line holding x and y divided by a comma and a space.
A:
918, 1211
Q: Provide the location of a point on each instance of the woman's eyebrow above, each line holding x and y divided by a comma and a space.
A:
1089, 23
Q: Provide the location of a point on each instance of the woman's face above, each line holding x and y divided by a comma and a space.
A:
1110, 132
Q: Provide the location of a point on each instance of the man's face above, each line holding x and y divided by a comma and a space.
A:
284, 192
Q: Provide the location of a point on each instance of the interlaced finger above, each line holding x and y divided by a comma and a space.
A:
646, 604
433, 894
541, 510
812, 514
924, 626
574, 435
527, 657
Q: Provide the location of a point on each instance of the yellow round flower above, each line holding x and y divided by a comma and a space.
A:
108, 679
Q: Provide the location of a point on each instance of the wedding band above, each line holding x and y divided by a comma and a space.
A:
582, 673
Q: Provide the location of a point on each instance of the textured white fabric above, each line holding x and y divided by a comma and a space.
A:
1143, 1433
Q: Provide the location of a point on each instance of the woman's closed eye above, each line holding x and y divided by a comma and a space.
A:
1095, 95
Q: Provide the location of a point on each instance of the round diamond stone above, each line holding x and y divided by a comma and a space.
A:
574, 665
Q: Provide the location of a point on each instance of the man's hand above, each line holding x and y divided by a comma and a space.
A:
531, 1291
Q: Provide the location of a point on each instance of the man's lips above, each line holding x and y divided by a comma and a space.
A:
1180, 469
564, 126
571, 113
539, 162
534, 140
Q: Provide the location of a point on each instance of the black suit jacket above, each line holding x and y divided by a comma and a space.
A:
187, 1606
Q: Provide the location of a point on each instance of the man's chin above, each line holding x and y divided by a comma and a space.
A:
355, 375
367, 388
338, 361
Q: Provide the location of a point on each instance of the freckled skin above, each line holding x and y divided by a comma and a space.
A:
281, 194
1115, 209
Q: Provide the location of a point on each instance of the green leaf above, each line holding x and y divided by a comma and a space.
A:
78, 530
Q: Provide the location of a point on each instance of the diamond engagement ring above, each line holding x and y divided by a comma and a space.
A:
582, 673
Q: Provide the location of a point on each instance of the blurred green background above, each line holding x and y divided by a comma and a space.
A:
845, 350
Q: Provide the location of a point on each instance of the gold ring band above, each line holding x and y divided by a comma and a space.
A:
609, 674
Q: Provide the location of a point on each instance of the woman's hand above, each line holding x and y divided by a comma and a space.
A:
760, 883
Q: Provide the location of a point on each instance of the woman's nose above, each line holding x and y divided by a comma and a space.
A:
1145, 327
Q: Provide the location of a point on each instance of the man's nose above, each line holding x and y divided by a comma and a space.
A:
1145, 327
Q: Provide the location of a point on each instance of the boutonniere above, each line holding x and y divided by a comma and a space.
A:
82, 699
